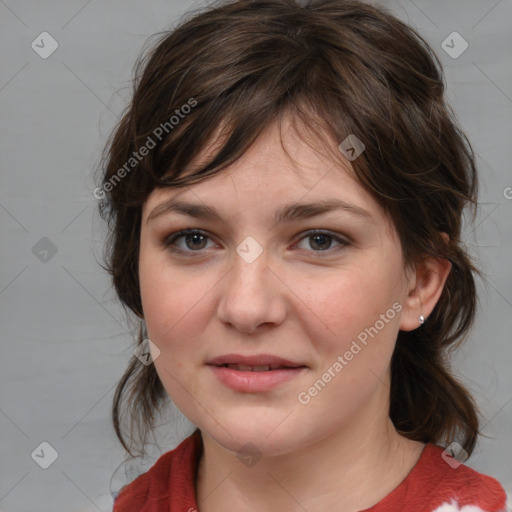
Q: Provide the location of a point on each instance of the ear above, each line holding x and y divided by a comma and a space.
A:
426, 286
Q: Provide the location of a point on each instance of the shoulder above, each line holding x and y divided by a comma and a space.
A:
459, 487
136, 494
156, 485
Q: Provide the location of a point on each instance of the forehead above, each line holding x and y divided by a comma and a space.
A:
286, 138
281, 167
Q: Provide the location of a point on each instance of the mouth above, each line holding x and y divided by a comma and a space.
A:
259, 379
253, 363
259, 368
254, 374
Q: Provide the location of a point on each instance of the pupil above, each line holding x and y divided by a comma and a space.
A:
322, 237
195, 236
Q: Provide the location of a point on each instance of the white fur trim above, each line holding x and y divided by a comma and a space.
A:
454, 507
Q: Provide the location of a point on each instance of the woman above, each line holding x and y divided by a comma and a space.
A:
284, 196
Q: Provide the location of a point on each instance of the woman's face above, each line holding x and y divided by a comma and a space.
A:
256, 282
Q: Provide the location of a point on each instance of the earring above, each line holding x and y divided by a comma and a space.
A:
144, 331
421, 319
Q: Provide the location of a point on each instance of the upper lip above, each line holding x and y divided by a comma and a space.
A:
256, 360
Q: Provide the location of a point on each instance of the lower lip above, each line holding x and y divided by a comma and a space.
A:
254, 382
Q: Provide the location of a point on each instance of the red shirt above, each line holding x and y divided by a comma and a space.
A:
432, 485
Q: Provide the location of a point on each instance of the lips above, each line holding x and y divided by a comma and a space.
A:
254, 363
254, 374
255, 379
248, 368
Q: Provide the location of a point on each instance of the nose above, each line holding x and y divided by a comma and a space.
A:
253, 296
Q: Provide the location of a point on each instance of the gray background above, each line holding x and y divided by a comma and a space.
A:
66, 341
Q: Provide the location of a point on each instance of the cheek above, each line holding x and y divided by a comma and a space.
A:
173, 307
176, 320
351, 303
167, 298
356, 350
355, 343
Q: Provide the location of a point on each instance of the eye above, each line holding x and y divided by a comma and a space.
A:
194, 240
321, 241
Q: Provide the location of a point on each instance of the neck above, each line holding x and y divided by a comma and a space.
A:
351, 469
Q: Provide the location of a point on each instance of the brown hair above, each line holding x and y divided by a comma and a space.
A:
340, 67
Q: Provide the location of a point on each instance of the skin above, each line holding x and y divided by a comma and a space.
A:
339, 451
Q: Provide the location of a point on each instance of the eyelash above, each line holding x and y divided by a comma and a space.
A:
169, 241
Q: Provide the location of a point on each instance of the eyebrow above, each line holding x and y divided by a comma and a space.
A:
286, 213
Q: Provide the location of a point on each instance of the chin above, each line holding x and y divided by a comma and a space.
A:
263, 438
